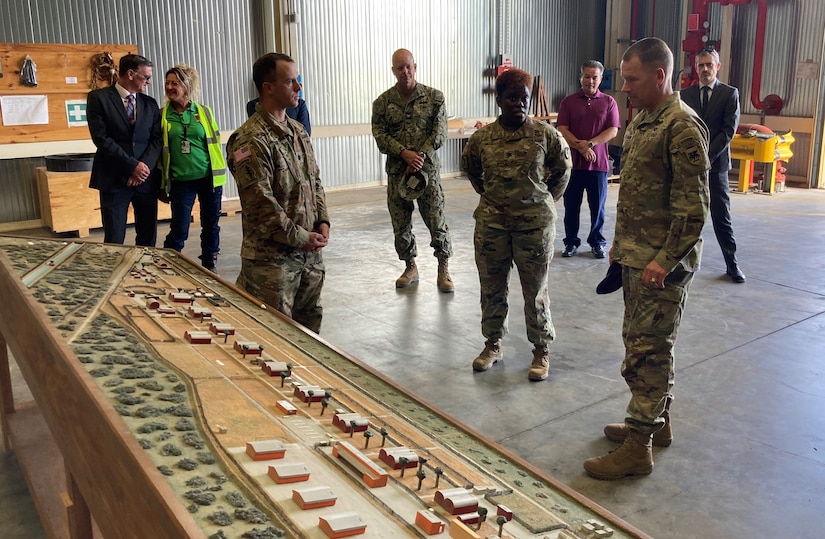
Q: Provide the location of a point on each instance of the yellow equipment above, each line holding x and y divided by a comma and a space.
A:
753, 146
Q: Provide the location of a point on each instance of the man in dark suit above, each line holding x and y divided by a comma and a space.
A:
718, 105
125, 126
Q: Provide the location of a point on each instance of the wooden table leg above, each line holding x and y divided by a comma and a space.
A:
78, 518
5, 393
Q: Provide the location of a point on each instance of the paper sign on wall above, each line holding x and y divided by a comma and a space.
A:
24, 109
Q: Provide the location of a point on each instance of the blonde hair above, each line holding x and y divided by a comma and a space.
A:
189, 79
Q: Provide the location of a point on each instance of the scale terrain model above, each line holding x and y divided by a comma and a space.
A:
260, 428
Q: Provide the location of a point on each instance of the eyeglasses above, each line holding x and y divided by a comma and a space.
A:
142, 76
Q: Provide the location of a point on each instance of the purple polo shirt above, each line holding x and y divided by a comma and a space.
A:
586, 117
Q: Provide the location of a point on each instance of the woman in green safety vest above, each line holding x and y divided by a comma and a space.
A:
192, 163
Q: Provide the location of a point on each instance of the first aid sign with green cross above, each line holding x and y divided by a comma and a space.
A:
76, 112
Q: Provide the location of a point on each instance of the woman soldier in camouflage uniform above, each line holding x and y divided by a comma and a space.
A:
519, 167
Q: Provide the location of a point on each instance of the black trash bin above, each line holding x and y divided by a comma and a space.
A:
70, 162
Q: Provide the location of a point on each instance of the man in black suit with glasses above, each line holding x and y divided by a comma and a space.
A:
124, 124
718, 105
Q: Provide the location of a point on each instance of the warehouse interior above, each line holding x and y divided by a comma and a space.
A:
747, 459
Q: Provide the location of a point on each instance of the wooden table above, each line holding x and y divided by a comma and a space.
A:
81, 459
77, 457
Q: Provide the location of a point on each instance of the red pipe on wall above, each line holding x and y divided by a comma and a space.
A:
772, 103
694, 43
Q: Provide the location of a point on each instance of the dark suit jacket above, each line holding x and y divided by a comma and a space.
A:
721, 117
120, 145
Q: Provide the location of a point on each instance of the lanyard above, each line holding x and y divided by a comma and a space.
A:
186, 124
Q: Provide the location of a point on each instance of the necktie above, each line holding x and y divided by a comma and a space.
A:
130, 108
705, 92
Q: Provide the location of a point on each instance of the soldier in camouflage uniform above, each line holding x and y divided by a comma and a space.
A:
519, 167
409, 123
662, 207
285, 221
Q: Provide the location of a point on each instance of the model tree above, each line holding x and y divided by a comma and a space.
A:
284, 375
352, 424
438, 473
289, 369
403, 462
482, 516
501, 521
421, 462
420, 474
310, 393
324, 404
384, 433
367, 435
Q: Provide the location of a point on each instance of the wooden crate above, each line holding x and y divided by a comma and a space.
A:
67, 204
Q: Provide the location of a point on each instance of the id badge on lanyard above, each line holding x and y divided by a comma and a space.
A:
185, 146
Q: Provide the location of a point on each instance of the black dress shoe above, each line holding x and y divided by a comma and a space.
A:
598, 251
570, 250
736, 274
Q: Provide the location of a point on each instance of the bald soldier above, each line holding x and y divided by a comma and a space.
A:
285, 221
662, 207
409, 123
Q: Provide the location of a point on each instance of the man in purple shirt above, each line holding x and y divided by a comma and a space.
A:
588, 120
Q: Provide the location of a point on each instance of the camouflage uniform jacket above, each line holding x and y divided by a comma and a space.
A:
519, 174
279, 185
420, 124
663, 199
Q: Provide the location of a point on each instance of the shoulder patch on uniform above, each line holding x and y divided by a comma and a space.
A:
241, 154
693, 152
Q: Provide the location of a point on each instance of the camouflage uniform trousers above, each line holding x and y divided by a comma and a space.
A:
531, 250
431, 207
291, 283
651, 321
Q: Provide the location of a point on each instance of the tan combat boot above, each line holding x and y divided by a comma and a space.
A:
491, 355
445, 282
634, 457
410, 275
617, 432
541, 364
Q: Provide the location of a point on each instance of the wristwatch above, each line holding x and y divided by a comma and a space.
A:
589, 143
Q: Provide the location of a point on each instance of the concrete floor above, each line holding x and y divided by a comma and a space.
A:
748, 459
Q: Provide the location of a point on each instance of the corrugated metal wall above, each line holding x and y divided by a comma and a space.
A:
220, 39
345, 49
344, 54
662, 19
552, 39
793, 34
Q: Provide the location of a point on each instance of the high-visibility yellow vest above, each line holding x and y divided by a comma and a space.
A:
213, 144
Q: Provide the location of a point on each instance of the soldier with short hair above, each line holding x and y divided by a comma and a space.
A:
409, 123
520, 167
285, 220
662, 207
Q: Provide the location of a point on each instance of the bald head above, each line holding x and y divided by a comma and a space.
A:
402, 55
403, 67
